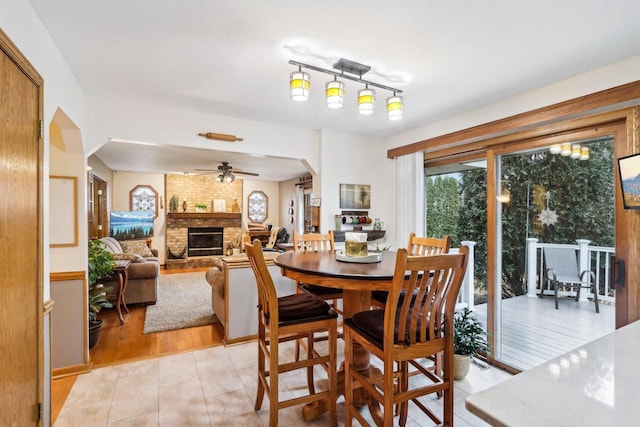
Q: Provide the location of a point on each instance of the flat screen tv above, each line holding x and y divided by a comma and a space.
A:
131, 225
629, 168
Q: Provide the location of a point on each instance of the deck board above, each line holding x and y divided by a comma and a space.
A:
534, 331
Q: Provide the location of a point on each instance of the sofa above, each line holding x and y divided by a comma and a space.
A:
144, 270
234, 295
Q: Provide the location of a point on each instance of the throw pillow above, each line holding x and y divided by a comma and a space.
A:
138, 247
128, 257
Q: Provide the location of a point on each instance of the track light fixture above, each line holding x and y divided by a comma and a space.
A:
299, 85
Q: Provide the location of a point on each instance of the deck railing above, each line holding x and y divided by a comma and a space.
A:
594, 258
465, 297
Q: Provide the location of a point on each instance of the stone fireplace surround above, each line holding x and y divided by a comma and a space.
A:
201, 189
177, 229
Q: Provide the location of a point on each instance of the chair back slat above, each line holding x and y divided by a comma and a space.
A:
313, 242
428, 245
267, 295
432, 284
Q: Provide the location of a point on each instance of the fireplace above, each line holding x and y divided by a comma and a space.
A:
204, 241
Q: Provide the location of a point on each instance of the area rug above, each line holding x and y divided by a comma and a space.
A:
184, 301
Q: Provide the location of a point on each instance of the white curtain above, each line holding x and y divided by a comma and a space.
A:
410, 197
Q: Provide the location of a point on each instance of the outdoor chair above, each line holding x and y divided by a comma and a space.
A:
404, 331
289, 318
561, 269
315, 242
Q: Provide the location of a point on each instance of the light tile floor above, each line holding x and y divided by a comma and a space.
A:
215, 387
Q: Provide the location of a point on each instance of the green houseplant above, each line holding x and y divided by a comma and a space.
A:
100, 264
469, 339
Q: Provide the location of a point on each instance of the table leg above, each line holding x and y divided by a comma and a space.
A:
119, 295
353, 302
125, 280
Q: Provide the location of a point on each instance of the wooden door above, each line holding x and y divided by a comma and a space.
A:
21, 276
97, 208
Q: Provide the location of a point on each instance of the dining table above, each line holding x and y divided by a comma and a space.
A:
357, 281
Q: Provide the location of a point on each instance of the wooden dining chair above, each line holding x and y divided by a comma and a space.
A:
422, 246
405, 330
316, 242
288, 318
416, 246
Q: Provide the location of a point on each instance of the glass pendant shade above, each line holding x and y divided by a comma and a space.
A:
334, 91
565, 149
220, 178
395, 107
575, 151
555, 149
366, 101
299, 86
584, 153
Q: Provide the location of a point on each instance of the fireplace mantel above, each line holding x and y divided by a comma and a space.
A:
204, 215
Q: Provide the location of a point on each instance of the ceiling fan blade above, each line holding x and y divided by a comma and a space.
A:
206, 170
244, 173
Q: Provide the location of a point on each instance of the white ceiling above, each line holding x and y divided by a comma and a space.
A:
230, 57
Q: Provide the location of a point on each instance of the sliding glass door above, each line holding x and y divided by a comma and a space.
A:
554, 196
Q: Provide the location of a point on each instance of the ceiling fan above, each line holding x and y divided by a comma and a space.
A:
227, 173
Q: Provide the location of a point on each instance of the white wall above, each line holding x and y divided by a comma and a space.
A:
123, 183
61, 90
134, 120
350, 159
613, 75
272, 190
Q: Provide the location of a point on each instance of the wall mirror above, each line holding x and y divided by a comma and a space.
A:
257, 202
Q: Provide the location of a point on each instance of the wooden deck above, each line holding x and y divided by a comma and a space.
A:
533, 331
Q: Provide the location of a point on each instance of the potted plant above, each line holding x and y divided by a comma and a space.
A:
101, 264
201, 207
468, 340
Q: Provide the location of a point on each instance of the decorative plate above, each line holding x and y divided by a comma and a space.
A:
367, 259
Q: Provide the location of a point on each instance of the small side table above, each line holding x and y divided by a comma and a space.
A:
122, 271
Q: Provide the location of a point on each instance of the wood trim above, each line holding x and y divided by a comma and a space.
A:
544, 131
67, 275
204, 215
580, 105
66, 371
20, 60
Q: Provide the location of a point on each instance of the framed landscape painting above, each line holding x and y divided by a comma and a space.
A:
355, 196
629, 168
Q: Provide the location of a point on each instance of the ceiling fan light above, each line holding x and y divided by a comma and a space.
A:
299, 86
230, 177
395, 107
334, 92
366, 101
220, 178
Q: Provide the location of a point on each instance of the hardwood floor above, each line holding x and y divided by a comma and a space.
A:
126, 343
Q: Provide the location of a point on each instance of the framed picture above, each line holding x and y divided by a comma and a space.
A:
355, 196
629, 168
316, 201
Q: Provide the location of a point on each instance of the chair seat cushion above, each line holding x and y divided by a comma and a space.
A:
371, 324
298, 308
320, 290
